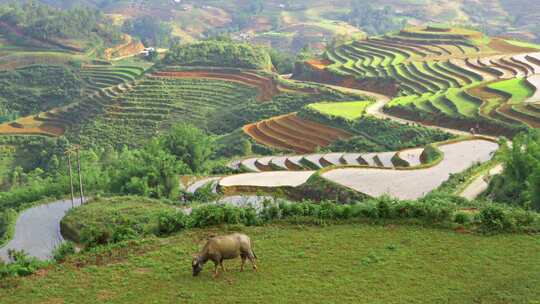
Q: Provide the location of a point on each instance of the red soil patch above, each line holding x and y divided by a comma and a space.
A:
502, 46
319, 64
289, 132
31, 126
267, 87
128, 47
44, 129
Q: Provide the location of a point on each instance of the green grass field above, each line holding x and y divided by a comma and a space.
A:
349, 110
516, 87
351, 263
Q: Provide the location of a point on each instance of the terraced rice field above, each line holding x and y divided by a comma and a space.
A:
289, 132
154, 103
274, 179
403, 184
436, 71
266, 86
412, 184
102, 85
534, 81
516, 94
318, 161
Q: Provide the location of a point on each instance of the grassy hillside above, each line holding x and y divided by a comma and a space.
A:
35, 89
300, 263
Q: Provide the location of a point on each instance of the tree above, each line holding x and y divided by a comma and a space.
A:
150, 30
520, 181
151, 171
247, 148
372, 20
189, 144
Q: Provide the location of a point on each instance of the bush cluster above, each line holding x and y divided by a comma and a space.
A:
429, 211
383, 134
22, 265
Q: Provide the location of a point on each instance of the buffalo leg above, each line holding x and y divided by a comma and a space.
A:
216, 273
243, 256
222, 266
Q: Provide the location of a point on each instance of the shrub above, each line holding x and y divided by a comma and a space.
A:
462, 218
271, 212
430, 154
494, 219
170, 222
328, 211
205, 193
399, 162
250, 217
208, 215
383, 209
22, 265
62, 251
93, 236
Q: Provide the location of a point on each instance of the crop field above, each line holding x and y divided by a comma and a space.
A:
411, 157
376, 182
297, 263
517, 88
349, 110
289, 132
372, 174
266, 86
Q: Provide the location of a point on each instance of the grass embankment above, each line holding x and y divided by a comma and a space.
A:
334, 264
349, 110
140, 214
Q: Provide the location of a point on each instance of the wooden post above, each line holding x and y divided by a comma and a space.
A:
80, 174
70, 178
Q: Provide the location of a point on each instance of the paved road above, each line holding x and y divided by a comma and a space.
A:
37, 230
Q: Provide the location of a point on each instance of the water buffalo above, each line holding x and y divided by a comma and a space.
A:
225, 247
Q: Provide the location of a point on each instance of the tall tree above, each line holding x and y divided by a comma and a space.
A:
189, 144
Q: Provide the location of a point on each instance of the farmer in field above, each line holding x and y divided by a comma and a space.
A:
225, 247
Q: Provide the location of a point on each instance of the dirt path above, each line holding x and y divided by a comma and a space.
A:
479, 184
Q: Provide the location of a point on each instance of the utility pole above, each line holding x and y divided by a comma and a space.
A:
68, 152
80, 173
70, 177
